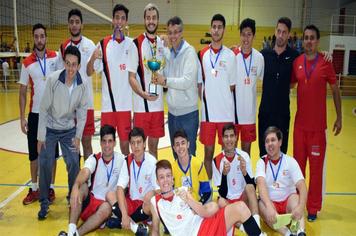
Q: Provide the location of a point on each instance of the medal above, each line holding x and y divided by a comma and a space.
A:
43, 68
108, 174
247, 70
309, 72
213, 71
275, 176
44, 78
275, 184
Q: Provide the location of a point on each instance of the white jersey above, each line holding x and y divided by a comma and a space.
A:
140, 178
246, 85
144, 51
31, 73
179, 219
86, 48
235, 180
287, 177
116, 91
217, 98
104, 176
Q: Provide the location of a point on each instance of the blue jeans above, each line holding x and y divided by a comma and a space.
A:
48, 157
189, 123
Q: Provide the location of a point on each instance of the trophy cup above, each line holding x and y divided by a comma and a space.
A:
154, 66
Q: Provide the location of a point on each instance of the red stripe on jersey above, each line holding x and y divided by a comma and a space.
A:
51, 53
29, 60
236, 50
97, 157
63, 46
217, 160
32, 92
129, 160
201, 55
140, 40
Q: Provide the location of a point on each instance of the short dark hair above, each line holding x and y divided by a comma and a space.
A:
72, 50
107, 129
120, 7
176, 20
248, 23
313, 28
137, 131
286, 21
218, 17
180, 133
75, 12
163, 164
228, 126
150, 7
39, 26
275, 130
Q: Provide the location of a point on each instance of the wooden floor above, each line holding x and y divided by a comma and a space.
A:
337, 217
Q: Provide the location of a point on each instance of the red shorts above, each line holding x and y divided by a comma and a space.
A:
121, 120
214, 225
281, 207
243, 197
151, 122
89, 128
132, 205
208, 132
90, 207
247, 132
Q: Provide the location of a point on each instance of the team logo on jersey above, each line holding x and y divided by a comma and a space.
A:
285, 172
52, 65
300, 67
179, 217
233, 182
222, 64
160, 50
254, 70
140, 190
122, 67
127, 52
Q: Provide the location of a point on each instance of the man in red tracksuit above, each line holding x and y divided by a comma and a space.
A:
313, 73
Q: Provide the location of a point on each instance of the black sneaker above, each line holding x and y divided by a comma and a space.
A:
142, 230
113, 223
42, 214
312, 217
62, 233
302, 234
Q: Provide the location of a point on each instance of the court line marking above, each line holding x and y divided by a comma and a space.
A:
13, 195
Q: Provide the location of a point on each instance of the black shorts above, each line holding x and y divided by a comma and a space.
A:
32, 124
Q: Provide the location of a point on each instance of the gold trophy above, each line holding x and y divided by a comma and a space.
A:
154, 66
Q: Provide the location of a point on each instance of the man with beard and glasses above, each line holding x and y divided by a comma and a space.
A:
34, 72
86, 48
215, 89
111, 58
276, 85
148, 108
312, 73
249, 68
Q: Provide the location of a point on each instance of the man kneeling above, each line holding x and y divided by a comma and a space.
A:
183, 215
88, 201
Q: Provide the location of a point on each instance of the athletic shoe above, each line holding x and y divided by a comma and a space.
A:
113, 223
142, 230
302, 234
312, 217
51, 195
42, 214
31, 197
62, 233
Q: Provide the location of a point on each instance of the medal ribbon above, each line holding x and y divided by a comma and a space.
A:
139, 169
217, 57
43, 68
279, 167
249, 67
108, 174
308, 73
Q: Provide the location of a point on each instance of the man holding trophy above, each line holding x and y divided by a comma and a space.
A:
147, 59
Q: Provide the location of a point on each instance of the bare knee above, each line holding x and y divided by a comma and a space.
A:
222, 202
111, 197
104, 211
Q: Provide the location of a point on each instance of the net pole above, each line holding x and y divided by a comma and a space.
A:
15, 29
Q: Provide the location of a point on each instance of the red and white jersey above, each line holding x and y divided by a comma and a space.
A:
235, 179
144, 51
104, 176
178, 217
86, 48
287, 177
31, 73
116, 91
217, 98
139, 177
246, 85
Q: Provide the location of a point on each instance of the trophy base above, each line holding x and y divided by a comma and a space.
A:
152, 90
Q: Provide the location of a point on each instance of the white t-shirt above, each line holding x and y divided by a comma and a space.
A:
31, 73
115, 73
105, 176
246, 88
235, 179
5, 68
136, 65
86, 48
177, 216
142, 179
287, 177
217, 98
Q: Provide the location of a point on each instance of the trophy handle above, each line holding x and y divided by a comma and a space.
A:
163, 64
145, 63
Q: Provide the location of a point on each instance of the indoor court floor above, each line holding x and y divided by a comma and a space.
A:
338, 216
